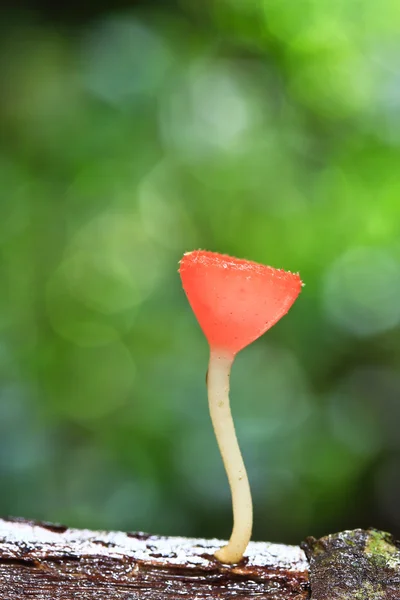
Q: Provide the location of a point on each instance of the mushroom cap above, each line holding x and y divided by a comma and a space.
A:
235, 300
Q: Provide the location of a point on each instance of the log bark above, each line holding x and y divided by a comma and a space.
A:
354, 565
47, 562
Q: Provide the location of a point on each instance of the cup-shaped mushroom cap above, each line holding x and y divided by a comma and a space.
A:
235, 301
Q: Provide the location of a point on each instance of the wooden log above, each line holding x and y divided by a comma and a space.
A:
47, 562
354, 565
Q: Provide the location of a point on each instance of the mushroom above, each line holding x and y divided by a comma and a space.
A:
235, 302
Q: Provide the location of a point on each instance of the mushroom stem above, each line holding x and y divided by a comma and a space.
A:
219, 370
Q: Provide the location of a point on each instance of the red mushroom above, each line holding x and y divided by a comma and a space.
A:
235, 302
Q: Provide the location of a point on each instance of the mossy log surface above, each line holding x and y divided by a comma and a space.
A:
45, 561
354, 565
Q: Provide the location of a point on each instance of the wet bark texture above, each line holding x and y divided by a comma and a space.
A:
45, 562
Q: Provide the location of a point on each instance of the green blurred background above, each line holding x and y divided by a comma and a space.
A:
130, 134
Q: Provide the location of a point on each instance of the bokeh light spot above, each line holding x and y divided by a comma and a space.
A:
362, 291
208, 113
123, 58
113, 264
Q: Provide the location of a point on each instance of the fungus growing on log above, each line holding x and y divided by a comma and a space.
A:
235, 302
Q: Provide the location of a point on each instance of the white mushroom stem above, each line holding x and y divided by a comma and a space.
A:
219, 370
